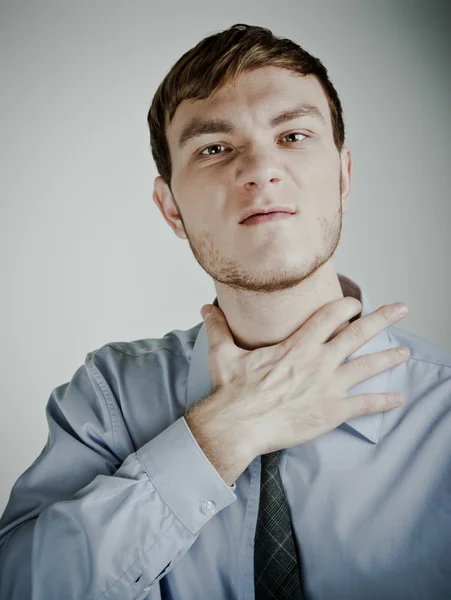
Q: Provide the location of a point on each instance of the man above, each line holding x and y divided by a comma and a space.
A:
154, 480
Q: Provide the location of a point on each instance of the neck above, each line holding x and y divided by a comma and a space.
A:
259, 320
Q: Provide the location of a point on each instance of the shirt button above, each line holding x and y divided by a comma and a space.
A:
147, 588
208, 507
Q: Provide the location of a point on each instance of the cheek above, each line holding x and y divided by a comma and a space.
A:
322, 178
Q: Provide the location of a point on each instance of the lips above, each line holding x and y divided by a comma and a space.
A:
261, 214
266, 218
261, 210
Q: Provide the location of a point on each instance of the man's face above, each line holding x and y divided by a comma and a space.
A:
218, 175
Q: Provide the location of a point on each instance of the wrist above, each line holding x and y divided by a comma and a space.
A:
219, 437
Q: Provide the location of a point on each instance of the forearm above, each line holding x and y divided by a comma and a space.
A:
118, 535
83, 547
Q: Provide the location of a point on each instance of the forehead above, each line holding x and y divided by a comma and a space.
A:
260, 92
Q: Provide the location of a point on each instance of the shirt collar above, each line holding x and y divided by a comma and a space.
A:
368, 426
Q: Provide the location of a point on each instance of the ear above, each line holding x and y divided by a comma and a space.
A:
346, 170
165, 201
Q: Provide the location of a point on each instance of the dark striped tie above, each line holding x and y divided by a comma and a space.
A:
276, 569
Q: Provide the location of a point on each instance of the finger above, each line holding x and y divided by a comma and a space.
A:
217, 329
364, 404
360, 331
364, 367
321, 325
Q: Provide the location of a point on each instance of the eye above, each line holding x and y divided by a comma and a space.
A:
202, 153
295, 133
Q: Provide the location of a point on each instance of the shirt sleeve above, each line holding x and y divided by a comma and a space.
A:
82, 523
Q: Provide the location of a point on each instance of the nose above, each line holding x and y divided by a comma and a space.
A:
257, 170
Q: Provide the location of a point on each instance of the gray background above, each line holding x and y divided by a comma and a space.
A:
86, 257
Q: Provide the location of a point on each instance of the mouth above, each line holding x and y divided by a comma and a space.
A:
267, 217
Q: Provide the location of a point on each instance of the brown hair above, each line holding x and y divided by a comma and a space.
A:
218, 60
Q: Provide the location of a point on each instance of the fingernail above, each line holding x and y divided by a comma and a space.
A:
398, 399
206, 311
401, 308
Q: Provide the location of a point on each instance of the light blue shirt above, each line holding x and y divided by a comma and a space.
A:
122, 504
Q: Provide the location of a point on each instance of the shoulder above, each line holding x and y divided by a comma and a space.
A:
175, 343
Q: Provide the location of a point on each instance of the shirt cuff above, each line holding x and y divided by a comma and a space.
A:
184, 476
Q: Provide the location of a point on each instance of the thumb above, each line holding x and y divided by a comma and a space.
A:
216, 326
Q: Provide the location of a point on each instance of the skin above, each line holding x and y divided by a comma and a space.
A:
272, 277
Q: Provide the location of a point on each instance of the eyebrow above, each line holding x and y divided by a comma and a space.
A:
197, 127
